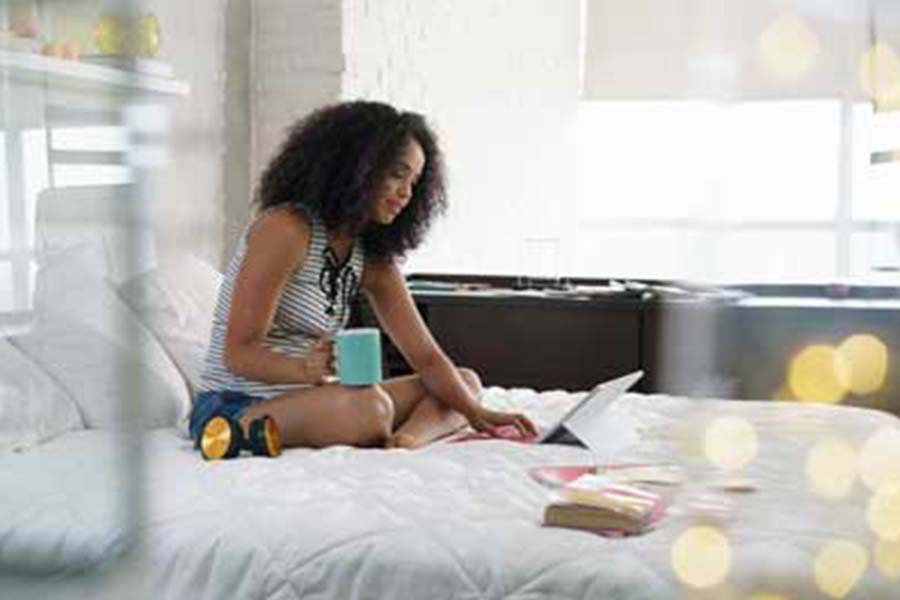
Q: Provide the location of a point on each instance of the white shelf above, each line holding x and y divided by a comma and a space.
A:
73, 74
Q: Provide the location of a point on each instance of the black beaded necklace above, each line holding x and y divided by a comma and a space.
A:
336, 281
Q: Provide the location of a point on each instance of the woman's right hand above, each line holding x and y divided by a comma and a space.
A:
319, 362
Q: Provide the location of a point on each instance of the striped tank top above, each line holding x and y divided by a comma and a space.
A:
314, 303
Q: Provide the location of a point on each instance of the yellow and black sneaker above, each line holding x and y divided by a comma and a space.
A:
265, 440
222, 438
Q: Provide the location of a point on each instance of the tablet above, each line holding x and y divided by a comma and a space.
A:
589, 407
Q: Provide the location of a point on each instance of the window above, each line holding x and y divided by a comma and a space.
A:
743, 192
90, 156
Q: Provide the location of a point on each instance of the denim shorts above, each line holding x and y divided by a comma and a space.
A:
223, 402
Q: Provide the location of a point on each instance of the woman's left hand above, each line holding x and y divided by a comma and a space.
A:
491, 421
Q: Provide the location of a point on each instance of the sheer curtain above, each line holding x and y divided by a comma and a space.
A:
725, 49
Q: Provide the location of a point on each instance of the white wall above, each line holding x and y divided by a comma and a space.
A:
499, 80
296, 64
254, 67
238, 126
193, 185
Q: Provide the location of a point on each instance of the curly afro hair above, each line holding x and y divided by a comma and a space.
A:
333, 161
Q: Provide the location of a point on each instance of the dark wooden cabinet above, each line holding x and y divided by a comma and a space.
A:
699, 345
541, 344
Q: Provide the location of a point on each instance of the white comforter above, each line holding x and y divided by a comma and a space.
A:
454, 520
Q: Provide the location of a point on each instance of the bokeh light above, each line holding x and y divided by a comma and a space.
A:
687, 436
730, 442
817, 374
884, 512
831, 468
838, 566
788, 48
768, 596
879, 458
866, 358
887, 558
879, 73
701, 557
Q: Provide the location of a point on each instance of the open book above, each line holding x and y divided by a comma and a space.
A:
594, 502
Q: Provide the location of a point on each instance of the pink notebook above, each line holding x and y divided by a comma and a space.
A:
507, 432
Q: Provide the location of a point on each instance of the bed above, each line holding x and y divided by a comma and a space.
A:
452, 520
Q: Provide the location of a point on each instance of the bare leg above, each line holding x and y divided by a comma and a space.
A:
329, 414
419, 417
398, 412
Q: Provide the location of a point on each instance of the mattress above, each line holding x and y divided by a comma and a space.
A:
452, 520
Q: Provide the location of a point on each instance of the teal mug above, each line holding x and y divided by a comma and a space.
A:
359, 356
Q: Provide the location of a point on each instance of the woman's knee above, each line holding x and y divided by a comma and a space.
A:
374, 415
471, 378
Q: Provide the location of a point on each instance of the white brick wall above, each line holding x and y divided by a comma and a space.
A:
499, 79
297, 64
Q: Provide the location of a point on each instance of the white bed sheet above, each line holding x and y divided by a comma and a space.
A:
448, 521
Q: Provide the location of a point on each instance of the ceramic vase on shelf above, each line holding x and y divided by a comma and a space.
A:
129, 40
131, 35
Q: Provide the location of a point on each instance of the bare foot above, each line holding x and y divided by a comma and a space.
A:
401, 440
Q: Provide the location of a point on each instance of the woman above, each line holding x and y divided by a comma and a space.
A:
353, 188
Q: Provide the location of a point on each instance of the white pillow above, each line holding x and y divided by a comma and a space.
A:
96, 348
176, 301
33, 408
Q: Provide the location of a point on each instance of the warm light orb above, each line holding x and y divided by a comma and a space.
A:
831, 468
887, 558
884, 512
879, 458
687, 436
788, 48
730, 442
701, 557
817, 373
879, 72
866, 357
838, 566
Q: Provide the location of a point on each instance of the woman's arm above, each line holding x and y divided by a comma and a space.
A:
276, 246
393, 305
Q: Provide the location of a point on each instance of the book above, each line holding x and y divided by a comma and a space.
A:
596, 504
137, 64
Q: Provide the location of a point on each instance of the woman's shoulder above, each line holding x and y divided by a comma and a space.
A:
279, 235
285, 223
